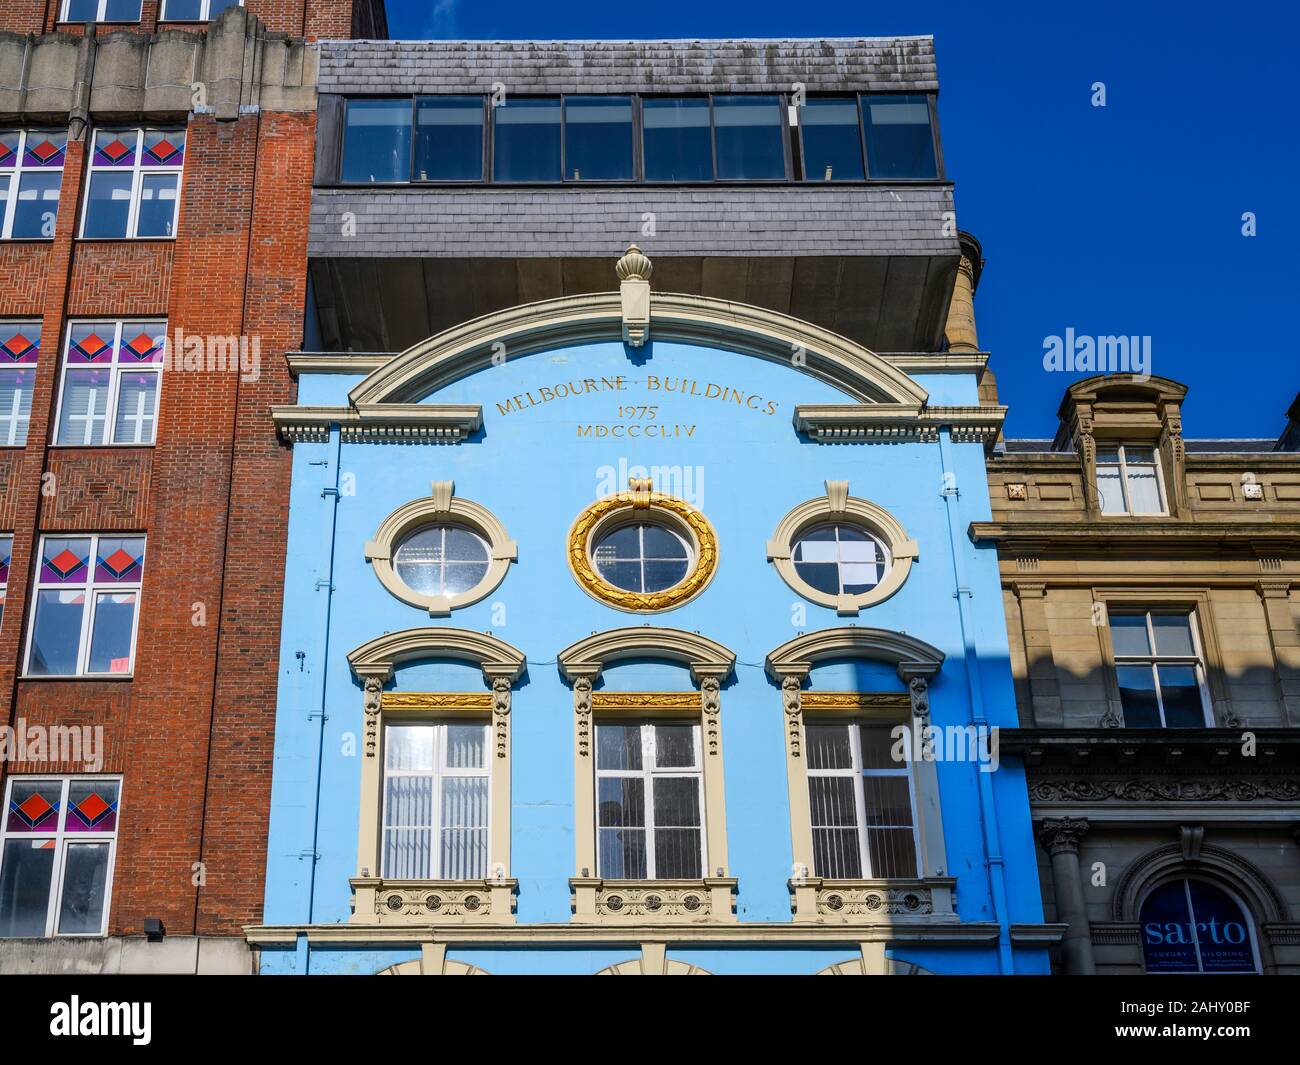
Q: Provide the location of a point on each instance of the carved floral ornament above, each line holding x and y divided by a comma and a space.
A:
640, 503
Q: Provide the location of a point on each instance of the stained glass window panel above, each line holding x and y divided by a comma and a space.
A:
92, 806
34, 806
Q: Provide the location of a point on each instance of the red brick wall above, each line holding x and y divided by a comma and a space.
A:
192, 732
326, 19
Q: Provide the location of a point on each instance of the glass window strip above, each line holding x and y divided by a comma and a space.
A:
115, 371
491, 164
138, 173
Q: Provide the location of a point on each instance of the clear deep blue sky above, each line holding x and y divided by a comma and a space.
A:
1125, 219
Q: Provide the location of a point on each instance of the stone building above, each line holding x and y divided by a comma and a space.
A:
611, 569
1152, 584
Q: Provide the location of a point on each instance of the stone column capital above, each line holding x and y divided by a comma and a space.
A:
1062, 835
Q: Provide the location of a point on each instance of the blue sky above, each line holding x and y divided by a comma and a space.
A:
1125, 219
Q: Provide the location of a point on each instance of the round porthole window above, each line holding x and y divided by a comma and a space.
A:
442, 560
643, 557
839, 559
641, 551
441, 552
842, 552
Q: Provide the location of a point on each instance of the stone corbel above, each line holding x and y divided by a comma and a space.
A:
634, 271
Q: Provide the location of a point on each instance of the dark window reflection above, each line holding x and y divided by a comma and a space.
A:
377, 141
526, 141
449, 138
677, 143
900, 143
832, 143
598, 138
748, 132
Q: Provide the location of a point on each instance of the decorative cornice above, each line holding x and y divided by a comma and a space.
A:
829, 423
523, 330
419, 423
1233, 789
588, 656
352, 363
1064, 537
913, 657
377, 658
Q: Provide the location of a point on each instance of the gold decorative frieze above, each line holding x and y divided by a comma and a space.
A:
436, 700
892, 702
645, 700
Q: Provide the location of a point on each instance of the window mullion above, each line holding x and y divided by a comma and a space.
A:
435, 786
860, 798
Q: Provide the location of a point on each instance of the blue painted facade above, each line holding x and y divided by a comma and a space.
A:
744, 468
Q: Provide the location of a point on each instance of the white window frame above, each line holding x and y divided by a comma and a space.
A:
437, 774
12, 176
62, 838
204, 16
648, 773
11, 438
99, 16
1122, 465
116, 372
859, 775
1153, 660
138, 173
93, 591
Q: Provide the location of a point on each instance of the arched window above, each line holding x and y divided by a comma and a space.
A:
1191, 926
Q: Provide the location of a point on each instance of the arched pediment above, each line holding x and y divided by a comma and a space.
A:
704, 657
378, 657
913, 657
432, 364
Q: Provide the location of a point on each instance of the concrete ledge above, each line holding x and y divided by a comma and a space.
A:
127, 955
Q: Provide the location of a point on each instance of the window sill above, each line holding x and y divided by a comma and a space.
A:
103, 447
125, 240
711, 900
26, 240
377, 901
63, 677
871, 902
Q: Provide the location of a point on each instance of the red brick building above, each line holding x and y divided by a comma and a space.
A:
154, 197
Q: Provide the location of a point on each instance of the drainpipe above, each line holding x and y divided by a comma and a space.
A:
987, 801
330, 491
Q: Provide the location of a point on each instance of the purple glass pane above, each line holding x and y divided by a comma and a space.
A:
9, 139
44, 149
115, 148
6, 553
120, 561
92, 806
163, 147
34, 806
65, 561
142, 342
19, 342
90, 343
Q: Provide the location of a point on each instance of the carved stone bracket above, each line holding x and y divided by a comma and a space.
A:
371, 702
919, 690
711, 702
501, 687
792, 699
582, 708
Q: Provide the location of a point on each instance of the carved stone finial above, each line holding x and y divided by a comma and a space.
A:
634, 265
